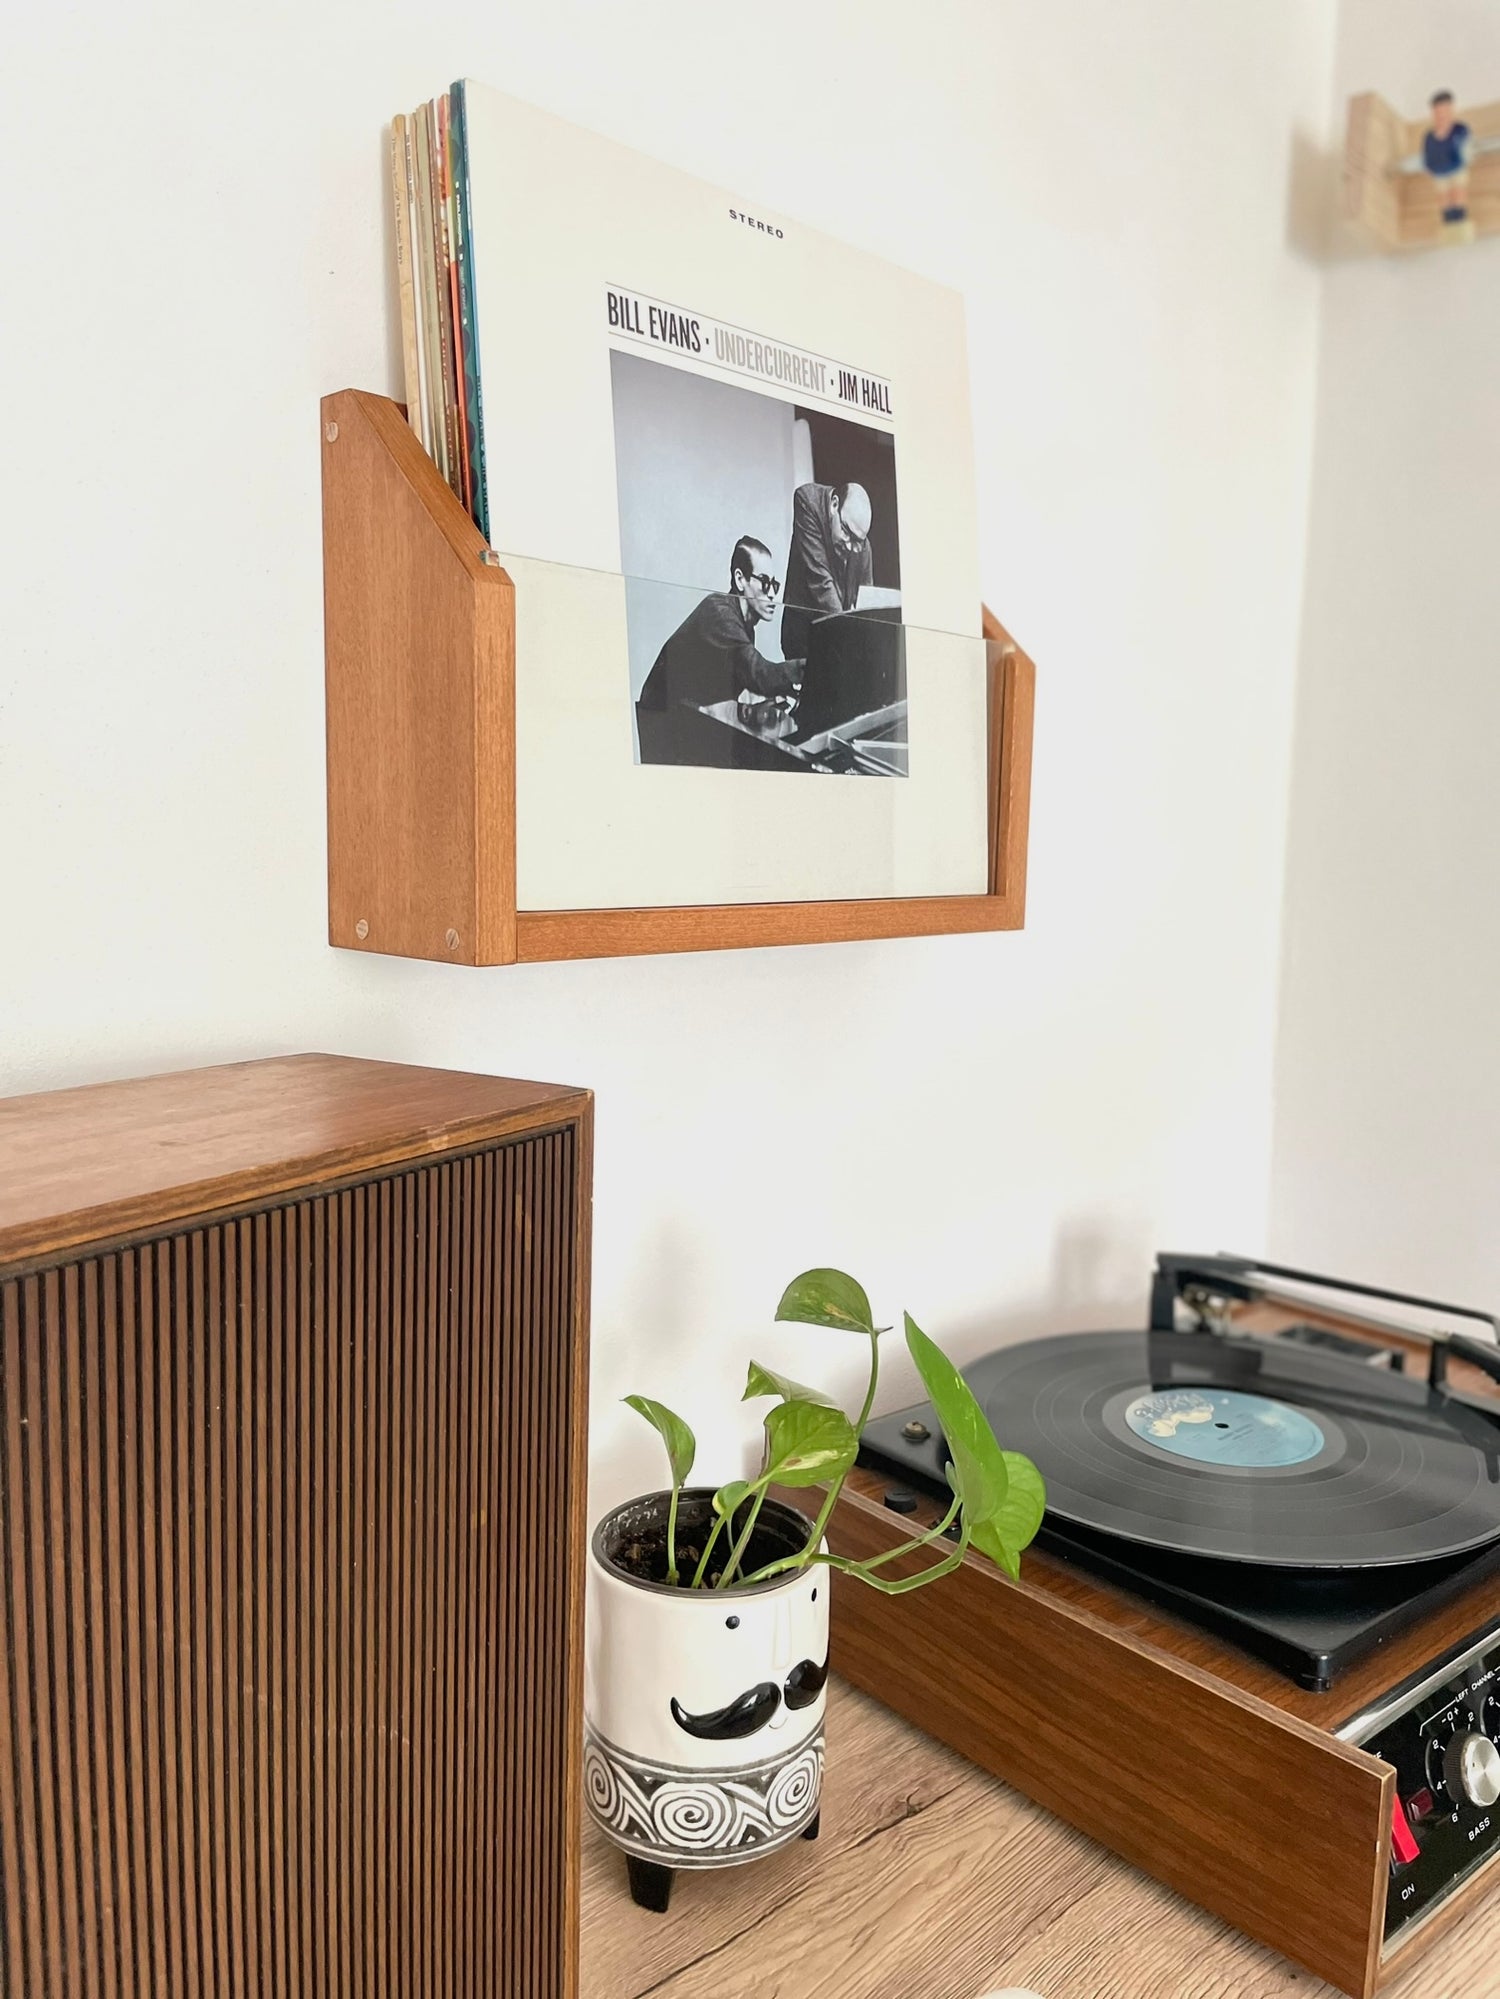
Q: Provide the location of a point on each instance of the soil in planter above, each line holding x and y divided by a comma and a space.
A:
642, 1552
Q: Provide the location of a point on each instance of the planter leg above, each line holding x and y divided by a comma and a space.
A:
810, 1831
650, 1883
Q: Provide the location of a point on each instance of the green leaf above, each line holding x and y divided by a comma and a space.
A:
729, 1498
1014, 1525
978, 1470
989, 1540
827, 1298
682, 1446
766, 1381
1025, 1500
807, 1443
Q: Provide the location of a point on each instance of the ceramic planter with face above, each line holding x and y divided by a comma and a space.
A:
703, 1708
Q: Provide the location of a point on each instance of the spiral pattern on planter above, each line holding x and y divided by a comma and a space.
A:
697, 1818
602, 1788
696, 1815
793, 1795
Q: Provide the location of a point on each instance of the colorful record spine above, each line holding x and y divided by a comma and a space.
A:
437, 442
443, 298
419, 411
400, 197
473, 405
464, 484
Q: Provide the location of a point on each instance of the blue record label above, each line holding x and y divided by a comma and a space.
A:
1225, 1428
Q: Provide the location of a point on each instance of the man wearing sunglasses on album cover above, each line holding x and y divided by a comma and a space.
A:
712, 656
830, 558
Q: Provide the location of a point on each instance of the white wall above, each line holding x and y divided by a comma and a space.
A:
672, 430
994, 1131
679, 523
1387, 1153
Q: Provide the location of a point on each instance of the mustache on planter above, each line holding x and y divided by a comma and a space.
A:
805, 1682
744, 1716
753, 1709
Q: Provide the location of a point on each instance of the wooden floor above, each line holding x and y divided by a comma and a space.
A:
933, 1881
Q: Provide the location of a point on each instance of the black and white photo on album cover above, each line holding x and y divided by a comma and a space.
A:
761, 548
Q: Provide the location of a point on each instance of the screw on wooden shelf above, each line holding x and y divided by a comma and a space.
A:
361, 930
451, 940
331, 432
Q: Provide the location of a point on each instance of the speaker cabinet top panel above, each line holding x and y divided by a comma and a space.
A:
84, 1165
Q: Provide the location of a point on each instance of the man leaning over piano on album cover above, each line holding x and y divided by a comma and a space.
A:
830, 559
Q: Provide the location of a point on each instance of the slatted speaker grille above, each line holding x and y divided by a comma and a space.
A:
285, 1607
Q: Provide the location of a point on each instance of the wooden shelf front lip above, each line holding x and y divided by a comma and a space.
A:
618, 933
542, 936
73, 1169
421, 750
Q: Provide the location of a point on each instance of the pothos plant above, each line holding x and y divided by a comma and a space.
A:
998, 1495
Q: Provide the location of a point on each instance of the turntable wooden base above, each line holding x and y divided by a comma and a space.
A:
1192, 1760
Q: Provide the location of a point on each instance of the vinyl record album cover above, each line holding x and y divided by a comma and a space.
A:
756, 443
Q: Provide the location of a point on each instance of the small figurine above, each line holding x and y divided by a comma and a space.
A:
1415, 183
1446, 149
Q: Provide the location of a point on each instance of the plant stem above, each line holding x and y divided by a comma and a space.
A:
864, 1414
672, 1540
921, 1541
708, 1548
847, 1567
810, 1554
814, 1540
943, 1568
802, 1559
744, 1541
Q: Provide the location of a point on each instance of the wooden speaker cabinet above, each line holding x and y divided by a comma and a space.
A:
292, 1450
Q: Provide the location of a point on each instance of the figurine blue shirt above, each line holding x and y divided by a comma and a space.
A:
1445, 157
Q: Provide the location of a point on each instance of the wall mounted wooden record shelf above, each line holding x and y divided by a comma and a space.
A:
420, 665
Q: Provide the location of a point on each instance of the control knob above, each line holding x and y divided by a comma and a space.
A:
1471, 1769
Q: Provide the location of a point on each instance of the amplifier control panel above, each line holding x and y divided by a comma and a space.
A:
1442, 1734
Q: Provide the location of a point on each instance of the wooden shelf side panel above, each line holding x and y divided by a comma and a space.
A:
419, 645
1012, 702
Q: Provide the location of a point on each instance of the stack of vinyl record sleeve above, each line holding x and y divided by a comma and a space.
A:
653, 396
429, 187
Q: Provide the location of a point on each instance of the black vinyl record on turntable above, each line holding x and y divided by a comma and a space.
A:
1253, 1464
1288, 1495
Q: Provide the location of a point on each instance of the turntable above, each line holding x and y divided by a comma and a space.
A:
1256, 1646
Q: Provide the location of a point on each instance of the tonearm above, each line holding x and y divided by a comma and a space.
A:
1207, 1285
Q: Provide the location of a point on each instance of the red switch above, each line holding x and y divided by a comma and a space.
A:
1404, 1847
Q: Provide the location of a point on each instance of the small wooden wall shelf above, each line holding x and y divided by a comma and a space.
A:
420, 663
1402, 209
